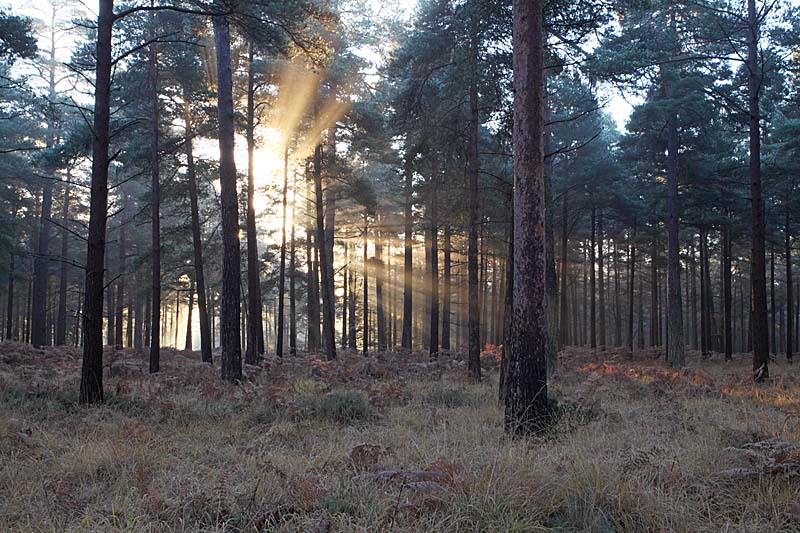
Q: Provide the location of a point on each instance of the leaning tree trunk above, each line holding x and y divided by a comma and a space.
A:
197, 242
231, 273
526, 376
255, 336
91, 390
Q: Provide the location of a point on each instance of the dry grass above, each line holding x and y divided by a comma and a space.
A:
394, 443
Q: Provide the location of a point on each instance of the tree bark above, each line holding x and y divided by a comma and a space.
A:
757, 267
328, 315
434, 239
564, 319
631, 286
197, 241
155, 327
473, 171
526, 380
255, 336
282, 273
61, 327
789, 287
446, 282
726, 289
292, 275
408, 265
91, 388
593, 284
231, 367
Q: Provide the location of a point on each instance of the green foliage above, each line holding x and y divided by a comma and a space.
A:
259, 414
448, 397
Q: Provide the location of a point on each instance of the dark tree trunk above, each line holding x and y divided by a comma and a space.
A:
772, 312
188, 343
564, 319
653, 297
473, 171
121, 253
726, 289
365, 346
631, 286
231, 274
434, 239
155, 327
446, 282
292, 275
757, 267
91, 389
313, 336
693, 299
328, 314
789, 287
408, 265
593, 284
601, 281
10, 298
110, 308
61, 327
139, 319
255, 334
526, 376
508, 304
345, 294
675, 343
380, 297
197, 242
282, 273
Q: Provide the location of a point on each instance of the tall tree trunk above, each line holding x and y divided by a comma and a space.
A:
631, 286
434, 238
91, 388
255, 336
120, 299
61, 328
789, 287
328, 315
693, 307
564, 319
726, 289
292, 275
772, 313
408, 266
654, 297
10, 297
473, 171
197, 242
526, 377
155, 280
282, 273
313, 336
601, 280
188, 346
508, 311
757, 267
345, 295
380, 297
593, 284
365, 346
446, 297
231, 367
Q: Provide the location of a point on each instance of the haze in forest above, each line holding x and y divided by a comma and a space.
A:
432, 265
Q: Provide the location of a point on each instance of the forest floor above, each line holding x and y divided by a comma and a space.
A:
394, 442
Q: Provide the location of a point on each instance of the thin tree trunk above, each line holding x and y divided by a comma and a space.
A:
122, 251
593, 285
601, 280
328, 315
10, 297
446, 296
197, 242
365, 346
772, 313
155, 327
726, 289
282, 274
61, 328
564, 320
789, 287
631, 286
380, 299
292, 274
434, 239
408, 266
